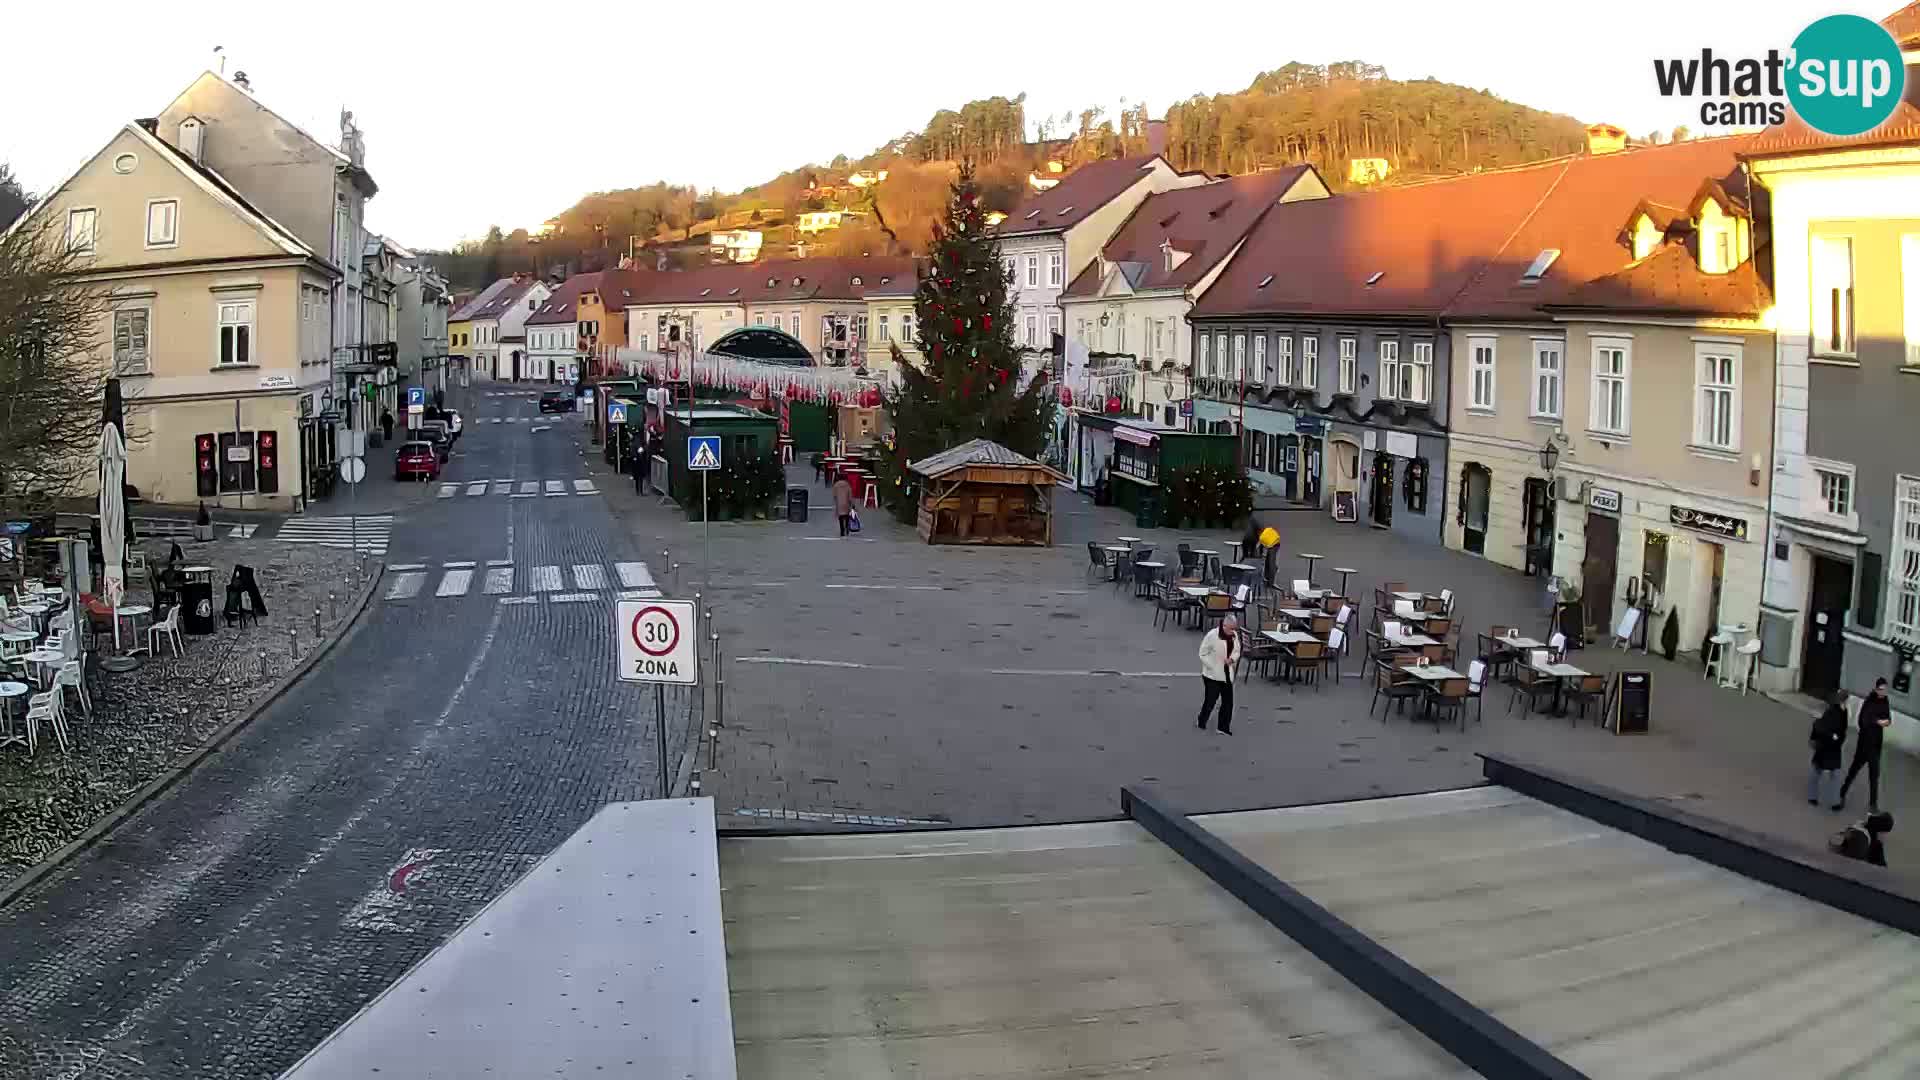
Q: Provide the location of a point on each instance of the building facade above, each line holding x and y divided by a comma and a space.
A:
423, 338
553, 331
498, 321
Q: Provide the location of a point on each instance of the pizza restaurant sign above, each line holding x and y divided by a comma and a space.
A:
1687, 517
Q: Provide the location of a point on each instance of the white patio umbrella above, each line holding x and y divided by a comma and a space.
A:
113, 519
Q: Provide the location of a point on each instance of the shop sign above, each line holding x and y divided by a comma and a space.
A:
1687, 517
1403, 444
1310, 425
1604, 499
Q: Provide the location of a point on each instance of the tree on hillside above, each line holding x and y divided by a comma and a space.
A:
967, 384
53, 368
13, 198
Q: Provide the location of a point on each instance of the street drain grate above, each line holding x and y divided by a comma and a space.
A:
816, 816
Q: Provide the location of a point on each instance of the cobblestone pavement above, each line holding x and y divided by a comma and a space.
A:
435, 754
876, 676
146, 719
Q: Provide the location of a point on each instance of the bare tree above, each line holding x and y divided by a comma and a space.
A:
53, 367
13, 198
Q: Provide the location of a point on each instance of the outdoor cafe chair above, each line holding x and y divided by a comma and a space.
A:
1336, 651
1189, 562
1308, 657
1392, 587
1437, 628
1587, 691
1256, 650
1477, 689
1557, 644
1319, 625
71, 678
46, 707
1170, 605
1531, 686
1404, 608
1393, 684
1096, 561
1450, 696
168, 630
1215, 607
1446, 601
1301, 585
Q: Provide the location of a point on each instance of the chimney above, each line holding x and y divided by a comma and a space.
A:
1605, 139
240, 80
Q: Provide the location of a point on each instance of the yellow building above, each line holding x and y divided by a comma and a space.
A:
218, 319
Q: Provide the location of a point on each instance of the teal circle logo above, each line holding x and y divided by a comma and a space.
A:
1847, 76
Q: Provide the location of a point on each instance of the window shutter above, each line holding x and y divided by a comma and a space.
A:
1867, 592
1460, 509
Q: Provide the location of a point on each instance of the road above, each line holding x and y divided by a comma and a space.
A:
468, 724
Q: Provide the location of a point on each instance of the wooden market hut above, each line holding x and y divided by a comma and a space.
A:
983, 493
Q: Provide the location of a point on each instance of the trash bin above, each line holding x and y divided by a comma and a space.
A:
196, 607
1146, 514
797, 505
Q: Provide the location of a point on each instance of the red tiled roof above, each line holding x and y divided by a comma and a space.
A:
562, 306
1797, 137
1204, 222
495, 306
1580, 216
1669, 281
1084, 190
827, 278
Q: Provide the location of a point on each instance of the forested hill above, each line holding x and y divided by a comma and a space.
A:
1324, 114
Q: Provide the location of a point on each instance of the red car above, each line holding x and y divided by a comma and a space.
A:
416, 459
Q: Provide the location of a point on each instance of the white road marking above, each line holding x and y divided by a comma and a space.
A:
457, 565
540, 427
640, 594
406, 566
910, 588
455, 583
493, 419
499, 581
477, 489
525, 495
502, 487
634, 575
241, 532
519, 599
573, 597
499, 562
585, 487
529, 487
555, 487
405, 586
447, 490
589, 576
796, 662
546, 579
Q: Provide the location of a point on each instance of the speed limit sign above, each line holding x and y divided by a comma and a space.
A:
658, 640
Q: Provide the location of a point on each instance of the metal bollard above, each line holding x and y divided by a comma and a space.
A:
719, 685
293, 642
263, 663
316, 622
333, 606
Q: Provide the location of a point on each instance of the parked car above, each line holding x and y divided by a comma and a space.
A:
557, 401
435, 432
418, 458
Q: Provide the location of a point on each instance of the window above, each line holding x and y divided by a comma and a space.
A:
1415, 485
1283, 359
1836, 491
1389, 369
1053, 326
1716, 416
1832, 296
1033, 270
163, 222
1260, 358
1239, 357
1156, 349
778, 324
1417, 378
1007, 264
1032, 328
793, 320
1610, 397
886, 332
1056, 262
1546, 379
80, 231
1905, 583
1310, 362
906, 326
130, 341
1206, 355
1910, 284
1349, 361
1480, 368
236, 332
1220, 355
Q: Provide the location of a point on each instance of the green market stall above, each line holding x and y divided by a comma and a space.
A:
748, 440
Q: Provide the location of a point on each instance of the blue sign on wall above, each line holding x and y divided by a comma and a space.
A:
703, 452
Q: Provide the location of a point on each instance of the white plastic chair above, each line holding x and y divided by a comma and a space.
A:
1240, 596
1403, 608
1391, 630
1748, 653
1301, 585
1558, 644
46, 707
71, 678
1340, 620
1717, 655
168, 630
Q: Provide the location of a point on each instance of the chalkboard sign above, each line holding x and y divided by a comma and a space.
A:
1632, 702
1623, 634
1344, 508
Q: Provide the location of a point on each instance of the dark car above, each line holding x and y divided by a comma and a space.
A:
557, 401
416, 459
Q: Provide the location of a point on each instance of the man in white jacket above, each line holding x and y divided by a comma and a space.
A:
1219, 651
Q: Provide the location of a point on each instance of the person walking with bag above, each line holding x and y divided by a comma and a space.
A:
1219, 651
843, 503
1875, 716
1829, 741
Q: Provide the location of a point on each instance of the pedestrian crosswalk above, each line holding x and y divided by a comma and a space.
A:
518, 489
556, 583
369, 533
507, 419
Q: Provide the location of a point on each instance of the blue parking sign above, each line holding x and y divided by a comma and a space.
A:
416, 395
703, 452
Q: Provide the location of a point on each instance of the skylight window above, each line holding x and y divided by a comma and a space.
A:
1264, 282
856, 279
1375, 279
1538, 268
771, 282
705, 292
733, 291
1031, 214
1064, 211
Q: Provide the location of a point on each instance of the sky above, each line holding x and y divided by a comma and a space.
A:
481, 114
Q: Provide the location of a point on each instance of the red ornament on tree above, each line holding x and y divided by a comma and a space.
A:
986, 321
1113, 404
833, 398
1066, 396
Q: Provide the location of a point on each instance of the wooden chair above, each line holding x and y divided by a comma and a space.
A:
1320, 625
1214, 607
1438, 628
1308, 657
1256, 649
1170, 604
1438, 653
1531, 686
1393, 684
1450, 696
1334, 605
1392, 587
1588, 691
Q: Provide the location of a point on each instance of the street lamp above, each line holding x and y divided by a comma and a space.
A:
1549, 455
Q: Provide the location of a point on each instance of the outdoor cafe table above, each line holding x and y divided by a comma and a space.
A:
1418, 641
1198, 592
1522, 642
11, 692
1560, 673
1432, 673
38, 611
1287, 637
1311, 559
44, 659
1314, 594
1208, 558
1345, 572
1128, 539
1298, 614
132, 613
1120, 552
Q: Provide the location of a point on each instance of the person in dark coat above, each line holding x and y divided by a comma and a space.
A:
1862, 840
1876, 714
1829, 742
386, 425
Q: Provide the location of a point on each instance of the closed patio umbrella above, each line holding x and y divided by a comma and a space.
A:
113, 510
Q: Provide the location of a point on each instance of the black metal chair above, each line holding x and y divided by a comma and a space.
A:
1393, 684
1096, 561
1170, 605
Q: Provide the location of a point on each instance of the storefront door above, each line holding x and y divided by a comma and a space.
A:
1311, 469
1827, 604
1537, 501
1599, 571
1476, 492
1289, 465
1382, 490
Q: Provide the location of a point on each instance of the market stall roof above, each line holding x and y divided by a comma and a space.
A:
764, 344
968, 454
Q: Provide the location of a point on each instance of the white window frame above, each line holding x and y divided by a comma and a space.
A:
1157, 346
1056, 266
1416, 376
1483, 365
1548, 382
1031, 324
235, 315
1389, 381
1012, 265
1903, 568
1910, 295
906, 327
1206, 354
172, 239
1604, 380
123, 361
886, 331
1833, 297
75, 231
1053, 326
1283, 359
1259, 358
1310, 361
1033, 271
1708, 386
1819, 493
1349, 364
1239, 357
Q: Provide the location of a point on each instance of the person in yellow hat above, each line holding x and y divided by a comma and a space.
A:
1263, 539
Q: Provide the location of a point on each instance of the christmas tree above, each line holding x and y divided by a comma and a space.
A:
966, 383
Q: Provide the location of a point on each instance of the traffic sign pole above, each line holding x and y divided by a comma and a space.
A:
706, 527
660, 735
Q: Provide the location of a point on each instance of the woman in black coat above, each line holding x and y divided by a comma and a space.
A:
1829, 739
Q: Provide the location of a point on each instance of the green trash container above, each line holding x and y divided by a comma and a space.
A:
1146, 513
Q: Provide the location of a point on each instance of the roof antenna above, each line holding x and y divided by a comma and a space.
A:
221, 52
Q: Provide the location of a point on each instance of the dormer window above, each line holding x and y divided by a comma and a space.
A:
856, 279
772, 282
1221, 209
884, 280
1264, 282
1031, 214
705, 292
733, 292
1065, 211
797, 281
1375, 279
1537, 269
192, 137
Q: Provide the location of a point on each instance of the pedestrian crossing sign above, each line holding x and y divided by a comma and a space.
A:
703, 452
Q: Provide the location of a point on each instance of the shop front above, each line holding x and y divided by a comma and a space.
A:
1396, 476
